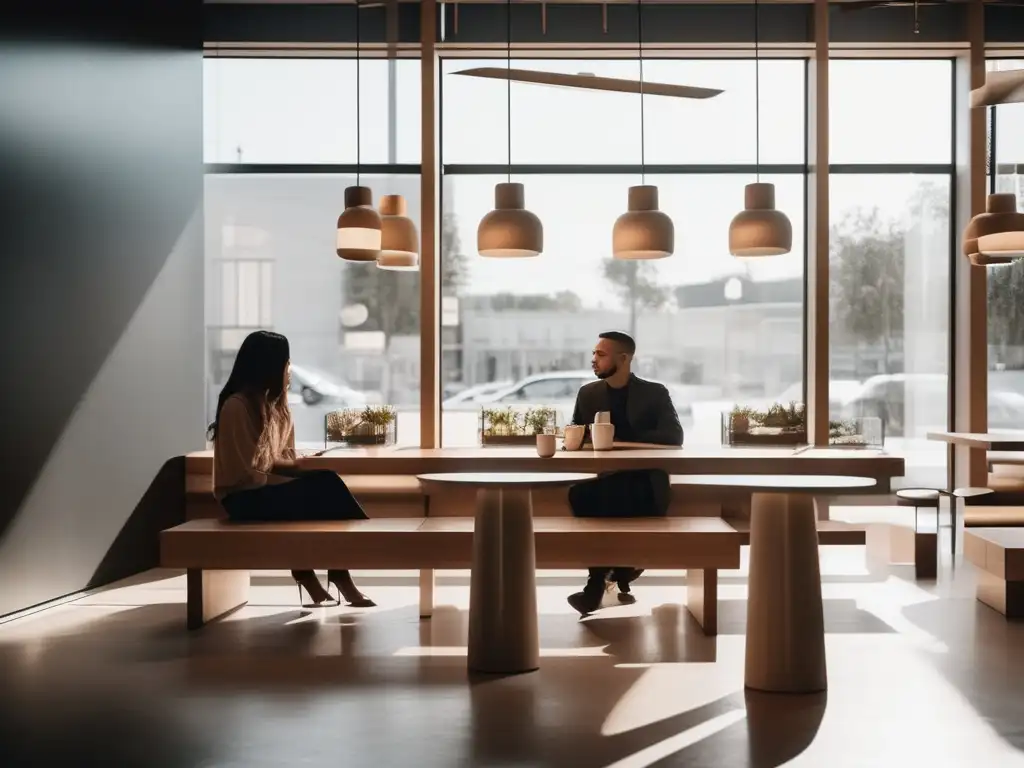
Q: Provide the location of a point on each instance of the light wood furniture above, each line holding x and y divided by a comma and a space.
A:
219, 555
691, 461
503, 634
785, 651
835, 533
989, 441
998, 554
926, 538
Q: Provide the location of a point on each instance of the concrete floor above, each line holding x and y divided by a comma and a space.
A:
919, 674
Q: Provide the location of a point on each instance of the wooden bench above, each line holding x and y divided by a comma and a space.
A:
218, 555
998, 554
830, 532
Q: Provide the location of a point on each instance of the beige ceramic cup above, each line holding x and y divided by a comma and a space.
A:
545, 446
603, 436
573, 439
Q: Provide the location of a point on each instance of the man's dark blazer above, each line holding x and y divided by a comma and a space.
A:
652, 416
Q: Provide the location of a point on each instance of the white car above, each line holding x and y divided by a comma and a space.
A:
313, 387
558, 390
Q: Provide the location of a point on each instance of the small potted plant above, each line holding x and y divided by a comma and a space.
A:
508, 426
370, 426
778, 425
856, 433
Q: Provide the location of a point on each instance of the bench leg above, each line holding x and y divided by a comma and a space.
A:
926, 555
1007, 597
212, 594
426, 593
702, 597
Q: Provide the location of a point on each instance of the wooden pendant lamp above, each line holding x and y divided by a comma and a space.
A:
359, 226
759, 229
643, 231
510, 231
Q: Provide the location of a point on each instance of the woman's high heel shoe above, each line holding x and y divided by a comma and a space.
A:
347, 589
318, 596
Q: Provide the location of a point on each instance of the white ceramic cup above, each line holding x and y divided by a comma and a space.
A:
603, 417
574, 434
603, 436
545, 446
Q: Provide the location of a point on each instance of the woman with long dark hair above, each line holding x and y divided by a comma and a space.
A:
255, 475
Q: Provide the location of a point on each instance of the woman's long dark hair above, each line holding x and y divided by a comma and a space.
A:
258, 373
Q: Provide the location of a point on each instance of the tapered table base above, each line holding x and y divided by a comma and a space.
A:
785, 621
503, 635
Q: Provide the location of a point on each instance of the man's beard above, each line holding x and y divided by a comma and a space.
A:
607, 374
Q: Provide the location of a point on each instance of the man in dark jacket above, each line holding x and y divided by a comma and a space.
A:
642, 412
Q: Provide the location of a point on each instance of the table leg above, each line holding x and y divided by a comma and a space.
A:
785, 622
503, 636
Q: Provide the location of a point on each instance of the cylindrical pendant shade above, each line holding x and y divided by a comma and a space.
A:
759, 229
510, 231
997, 235
359, 227
400, 242
643, 232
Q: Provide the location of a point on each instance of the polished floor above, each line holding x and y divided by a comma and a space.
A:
919, 674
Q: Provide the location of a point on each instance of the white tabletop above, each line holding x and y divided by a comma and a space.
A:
777, 483
507, 479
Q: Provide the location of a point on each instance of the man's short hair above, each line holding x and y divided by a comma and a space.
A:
622, 339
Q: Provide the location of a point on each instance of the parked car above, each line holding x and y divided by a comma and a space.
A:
920, 401
475, 394
314, 387
557, 389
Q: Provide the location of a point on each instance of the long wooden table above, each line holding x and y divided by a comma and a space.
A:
699, 460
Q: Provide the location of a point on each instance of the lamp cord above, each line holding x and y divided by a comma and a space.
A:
358, 111
640, 52
757, 93
508, 82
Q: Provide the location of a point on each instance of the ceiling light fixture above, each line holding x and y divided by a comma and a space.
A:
643, 231
400, 242
509, 231
359, 226
759, 229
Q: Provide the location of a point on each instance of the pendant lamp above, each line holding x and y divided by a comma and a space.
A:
400, 242
510, 231
759, 229
997, 235
359, 226
643, 232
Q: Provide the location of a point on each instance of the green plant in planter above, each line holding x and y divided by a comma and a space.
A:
501, 421
379, 417
740, 418
539, 419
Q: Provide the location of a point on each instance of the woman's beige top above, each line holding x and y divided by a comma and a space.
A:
243, 454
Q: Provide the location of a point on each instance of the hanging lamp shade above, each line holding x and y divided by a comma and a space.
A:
997, 235
759, 229
643, 231
400, 242
510, 231
359, 227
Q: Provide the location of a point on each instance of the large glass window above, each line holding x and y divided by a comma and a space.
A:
303, 111
889, 276
270, 263
1006, 283
715, 329
575, 126
890, 111
889, 305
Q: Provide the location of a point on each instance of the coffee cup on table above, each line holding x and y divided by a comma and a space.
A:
603, 436
545, 446
574, 434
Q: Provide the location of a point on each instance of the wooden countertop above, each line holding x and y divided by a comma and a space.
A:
705, 460
1006, 441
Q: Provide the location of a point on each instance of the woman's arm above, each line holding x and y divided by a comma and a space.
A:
287, 465
237, 437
